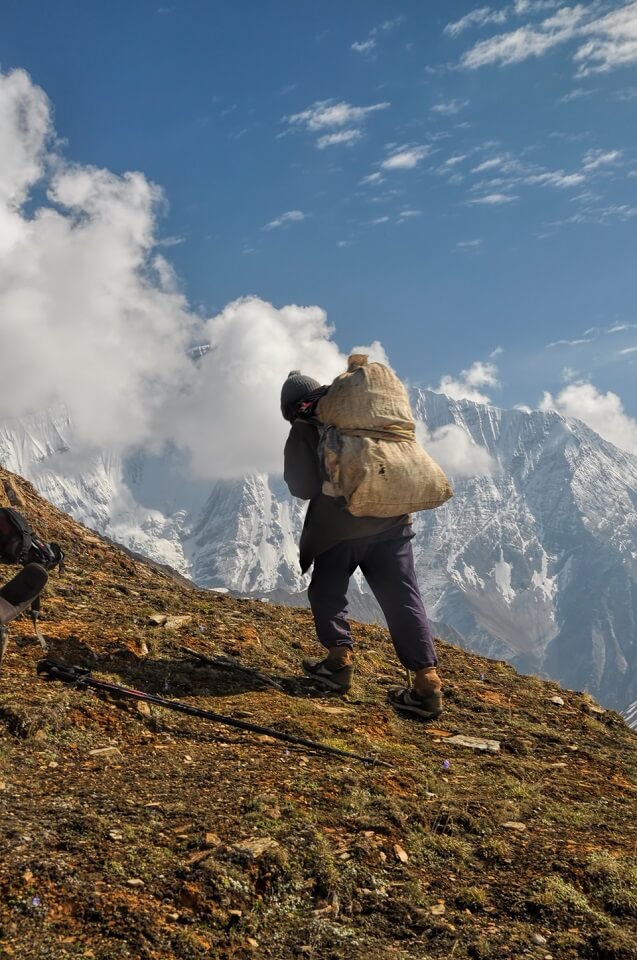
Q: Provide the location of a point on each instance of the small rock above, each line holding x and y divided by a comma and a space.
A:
253, 943
211, 840
157, 620
475, 743
514, 825
558, 701
116, 835
106, 752
40, 735
135, 882
3, 785
401, 854
143, 648
144, 709
437, 909
175, 623
538, 939
256, 847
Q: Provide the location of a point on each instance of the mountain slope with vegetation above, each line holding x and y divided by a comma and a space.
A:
131, 831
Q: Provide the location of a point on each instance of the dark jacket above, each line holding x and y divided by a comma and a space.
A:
327, 520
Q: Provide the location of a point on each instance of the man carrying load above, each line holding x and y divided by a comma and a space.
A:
352, 453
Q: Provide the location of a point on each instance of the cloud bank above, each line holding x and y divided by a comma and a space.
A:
91, 316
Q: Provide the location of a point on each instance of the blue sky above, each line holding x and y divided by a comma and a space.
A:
456, 180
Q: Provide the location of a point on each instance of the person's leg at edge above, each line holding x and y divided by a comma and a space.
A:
388, 567
22, 590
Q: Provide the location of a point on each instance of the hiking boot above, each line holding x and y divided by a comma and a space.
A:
407, 700
332, 674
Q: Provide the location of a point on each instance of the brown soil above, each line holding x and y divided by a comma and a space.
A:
150, 850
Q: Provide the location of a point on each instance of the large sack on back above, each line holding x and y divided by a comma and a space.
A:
368, 397
369, 446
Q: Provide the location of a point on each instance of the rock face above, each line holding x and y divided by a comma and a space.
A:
534, 561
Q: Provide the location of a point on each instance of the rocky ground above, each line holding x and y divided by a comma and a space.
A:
130, 831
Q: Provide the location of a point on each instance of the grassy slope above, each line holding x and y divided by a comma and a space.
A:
139, 854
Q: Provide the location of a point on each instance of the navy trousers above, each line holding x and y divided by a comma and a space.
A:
387, 563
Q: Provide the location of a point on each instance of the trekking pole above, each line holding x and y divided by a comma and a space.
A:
4, 641
83, 679
34, 614
225, 663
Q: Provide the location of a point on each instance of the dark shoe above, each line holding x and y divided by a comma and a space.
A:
329, 675
406, 700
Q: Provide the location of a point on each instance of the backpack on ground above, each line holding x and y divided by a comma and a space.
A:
16, 536
369, 449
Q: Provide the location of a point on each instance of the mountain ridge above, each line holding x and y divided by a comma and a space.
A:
534, 560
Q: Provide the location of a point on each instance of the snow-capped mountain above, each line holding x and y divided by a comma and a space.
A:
534, 561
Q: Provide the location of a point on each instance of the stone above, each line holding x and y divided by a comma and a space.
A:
401, 854
558, 701
514, 825
157, 620
106, 752
176, 623
474, 743
256, 847
135, 882
538, 939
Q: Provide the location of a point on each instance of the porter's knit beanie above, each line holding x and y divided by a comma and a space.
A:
296, 387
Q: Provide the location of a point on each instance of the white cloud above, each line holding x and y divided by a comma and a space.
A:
491, 164
485, 15
603, 412
88, 306
576, 94
364, 47
627, 350
556, 178
621, 327
455, 450
493, 199
613, 44
409, 214
379, 220
470, 244
606, 42
594, 159
569, 343
527, 41
328, 113
406, 158
476, 18
449, 108
348, 137
455, 160
329, 117
465, 387
373, 178
290, 216
93, 315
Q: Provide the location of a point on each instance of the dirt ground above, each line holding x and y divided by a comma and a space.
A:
130, 831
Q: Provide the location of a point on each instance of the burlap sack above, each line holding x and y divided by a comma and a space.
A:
369, 446
368, 397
